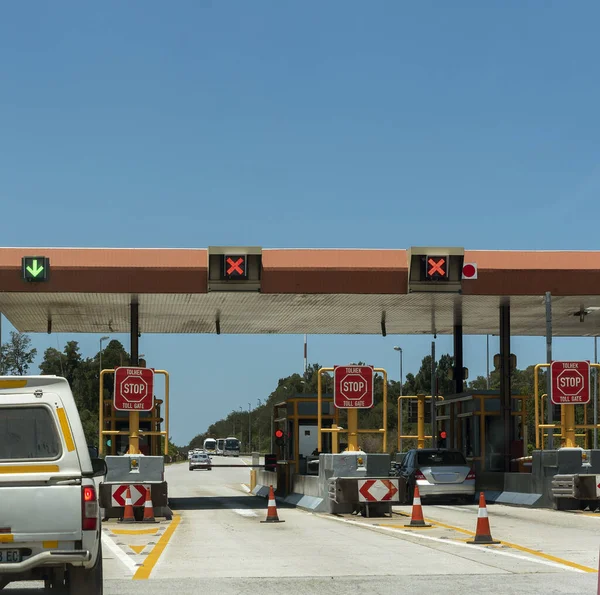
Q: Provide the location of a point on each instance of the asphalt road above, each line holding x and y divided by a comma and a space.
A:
218, 544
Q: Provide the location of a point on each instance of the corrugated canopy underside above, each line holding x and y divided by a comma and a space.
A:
256, 313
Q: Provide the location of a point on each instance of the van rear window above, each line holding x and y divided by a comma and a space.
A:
28, 433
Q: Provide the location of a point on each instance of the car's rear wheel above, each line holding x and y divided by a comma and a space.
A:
86, 581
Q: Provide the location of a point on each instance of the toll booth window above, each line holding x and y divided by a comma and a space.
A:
28, 433
309, 408
440, 459
327, 408
492, 404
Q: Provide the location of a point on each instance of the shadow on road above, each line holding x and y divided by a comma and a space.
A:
222, 503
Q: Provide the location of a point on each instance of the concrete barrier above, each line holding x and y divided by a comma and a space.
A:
311, 492
264, 479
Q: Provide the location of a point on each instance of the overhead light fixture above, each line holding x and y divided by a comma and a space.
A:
583, 312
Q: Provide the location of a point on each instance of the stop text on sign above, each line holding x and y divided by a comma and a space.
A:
134, 389
353, 387
570, 382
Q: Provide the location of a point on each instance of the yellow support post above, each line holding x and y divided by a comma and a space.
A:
101, 413
383, 372
352, 429
536, 403
334, 439
134, 433
568, 430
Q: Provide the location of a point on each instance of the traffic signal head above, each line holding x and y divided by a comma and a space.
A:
441, 439
436, 268
235, 266
279, 437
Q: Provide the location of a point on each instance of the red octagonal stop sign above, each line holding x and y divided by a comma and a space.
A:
570, 382
353, 387
134, 389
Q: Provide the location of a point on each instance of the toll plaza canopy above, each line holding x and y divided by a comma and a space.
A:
252, 290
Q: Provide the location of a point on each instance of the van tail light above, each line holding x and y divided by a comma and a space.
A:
419, 475
471, 474
89, 508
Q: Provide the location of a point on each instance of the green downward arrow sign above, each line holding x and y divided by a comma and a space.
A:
35, 270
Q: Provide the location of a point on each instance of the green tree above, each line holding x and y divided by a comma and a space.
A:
16, 355
83, 375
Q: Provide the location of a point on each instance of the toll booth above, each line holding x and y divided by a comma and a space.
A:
135, 445
473, 424
297, 417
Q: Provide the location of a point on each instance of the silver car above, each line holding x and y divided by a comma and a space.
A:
442, 473
200, 461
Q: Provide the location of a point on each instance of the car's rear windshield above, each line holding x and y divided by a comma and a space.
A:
28, 433
440, 459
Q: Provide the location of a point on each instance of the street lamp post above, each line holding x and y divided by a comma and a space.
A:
241, 429
399, 349
258, 420
250, 427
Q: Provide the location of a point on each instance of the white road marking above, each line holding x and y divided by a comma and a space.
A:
456, 543
244, 512
119, 553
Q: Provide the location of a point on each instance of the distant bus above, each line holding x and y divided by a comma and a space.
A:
210, 445
220, 445
232, 447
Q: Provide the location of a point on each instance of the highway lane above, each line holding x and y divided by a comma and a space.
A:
221, 545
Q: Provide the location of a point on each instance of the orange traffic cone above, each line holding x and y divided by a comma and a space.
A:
148, 508
417, 519
483, 534
128, 516
272, 509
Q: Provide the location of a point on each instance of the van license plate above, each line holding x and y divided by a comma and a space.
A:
10, 556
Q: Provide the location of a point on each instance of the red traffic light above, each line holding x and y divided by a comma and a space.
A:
278, 433
443, 435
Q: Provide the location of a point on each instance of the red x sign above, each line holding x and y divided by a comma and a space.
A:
435, 266
235, 266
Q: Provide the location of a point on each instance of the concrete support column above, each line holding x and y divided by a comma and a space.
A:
505, 383
458, 359
134, 330
134, 416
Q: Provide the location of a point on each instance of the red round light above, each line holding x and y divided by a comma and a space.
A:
443, 435
469, 271
278, 433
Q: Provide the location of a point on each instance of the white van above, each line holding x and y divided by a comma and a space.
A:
49, 512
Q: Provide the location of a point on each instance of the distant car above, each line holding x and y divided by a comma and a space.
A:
442, 473
200, 461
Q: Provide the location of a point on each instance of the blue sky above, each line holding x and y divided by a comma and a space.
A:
296, 124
